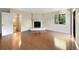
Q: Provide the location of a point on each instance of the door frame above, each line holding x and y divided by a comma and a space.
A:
74, 23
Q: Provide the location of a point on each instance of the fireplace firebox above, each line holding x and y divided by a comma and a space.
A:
37, 24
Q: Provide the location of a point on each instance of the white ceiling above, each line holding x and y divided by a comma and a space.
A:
39, 10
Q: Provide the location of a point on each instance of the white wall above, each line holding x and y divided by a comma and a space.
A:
49, 19
26, 22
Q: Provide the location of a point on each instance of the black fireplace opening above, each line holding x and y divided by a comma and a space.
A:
37, 24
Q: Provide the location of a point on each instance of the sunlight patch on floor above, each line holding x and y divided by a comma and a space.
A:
60, 43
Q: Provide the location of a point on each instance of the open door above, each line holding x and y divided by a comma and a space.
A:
7, 23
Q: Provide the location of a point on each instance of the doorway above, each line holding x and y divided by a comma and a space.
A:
74, 27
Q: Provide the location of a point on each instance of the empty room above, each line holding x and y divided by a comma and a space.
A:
39, 28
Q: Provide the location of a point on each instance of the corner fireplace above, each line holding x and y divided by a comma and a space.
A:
37, 24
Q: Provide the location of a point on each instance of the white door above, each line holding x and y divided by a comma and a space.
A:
7, 24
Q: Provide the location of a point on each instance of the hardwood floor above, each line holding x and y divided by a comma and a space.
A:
44, 40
